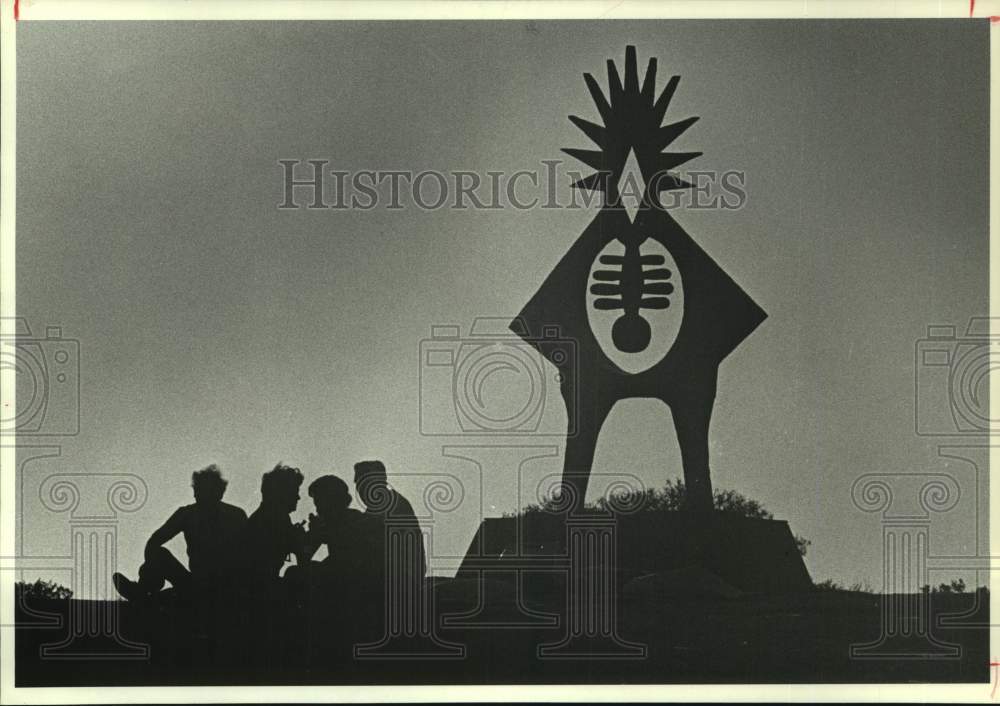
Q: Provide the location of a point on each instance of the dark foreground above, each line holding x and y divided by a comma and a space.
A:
803, 637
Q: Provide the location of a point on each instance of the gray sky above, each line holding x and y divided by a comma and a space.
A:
216, 328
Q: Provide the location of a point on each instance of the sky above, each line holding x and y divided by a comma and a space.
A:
215, 327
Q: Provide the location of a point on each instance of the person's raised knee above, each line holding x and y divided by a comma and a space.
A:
158, 554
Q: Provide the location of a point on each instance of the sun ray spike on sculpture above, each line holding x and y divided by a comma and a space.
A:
680, 319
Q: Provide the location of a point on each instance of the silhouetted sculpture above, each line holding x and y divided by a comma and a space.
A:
211, 529
270, 537
716, 314
393, 510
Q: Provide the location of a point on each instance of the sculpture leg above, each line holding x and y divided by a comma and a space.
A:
691, 420
581, 443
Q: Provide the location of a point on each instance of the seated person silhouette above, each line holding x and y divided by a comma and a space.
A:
350, 538
269, 537
210, 528
396, 517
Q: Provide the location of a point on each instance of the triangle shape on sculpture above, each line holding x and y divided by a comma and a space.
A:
631, 186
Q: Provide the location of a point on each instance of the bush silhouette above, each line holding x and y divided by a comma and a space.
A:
669, 498
955, 586
42, 589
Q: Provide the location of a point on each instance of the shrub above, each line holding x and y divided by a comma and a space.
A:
42, 589
954, 586
829, 585
670, 498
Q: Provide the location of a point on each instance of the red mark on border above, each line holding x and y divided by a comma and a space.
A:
17, 2
972, 8
996, 678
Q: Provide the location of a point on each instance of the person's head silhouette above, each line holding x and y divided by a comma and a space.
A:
208, 485
279, 488
330, 495
372, 484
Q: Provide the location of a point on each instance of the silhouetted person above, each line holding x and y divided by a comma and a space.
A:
351, 539
211, 529
394, 513
347, 533
270, 537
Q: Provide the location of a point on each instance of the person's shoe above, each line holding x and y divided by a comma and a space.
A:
127, 589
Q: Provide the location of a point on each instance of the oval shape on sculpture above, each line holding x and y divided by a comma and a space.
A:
664, 323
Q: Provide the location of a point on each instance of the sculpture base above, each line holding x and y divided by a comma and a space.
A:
754, 556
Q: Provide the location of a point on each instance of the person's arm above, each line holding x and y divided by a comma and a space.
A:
170, 529
303, 544
314, 538
308, 549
